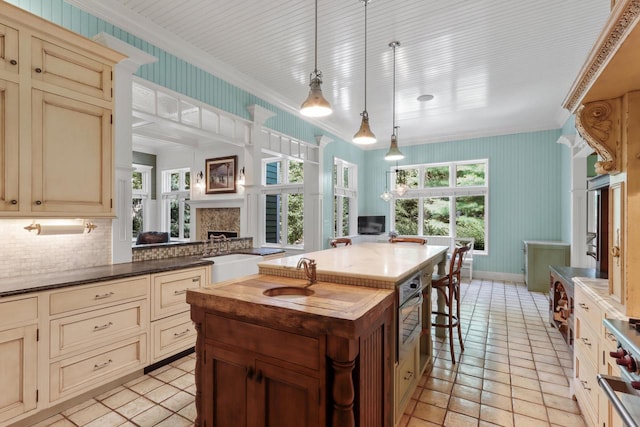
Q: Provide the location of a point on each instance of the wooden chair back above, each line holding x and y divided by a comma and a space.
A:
418, 240
340, 241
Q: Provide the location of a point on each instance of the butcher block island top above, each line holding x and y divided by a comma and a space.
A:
379, 265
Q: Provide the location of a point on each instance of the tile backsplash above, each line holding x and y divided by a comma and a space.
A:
24, 252
220, 219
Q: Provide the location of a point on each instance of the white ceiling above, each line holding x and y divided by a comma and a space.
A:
494, 66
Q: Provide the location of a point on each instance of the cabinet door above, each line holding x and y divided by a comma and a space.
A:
616, 241
18, 370
8, 52
9, 145
223, 401
283, 398
71, 157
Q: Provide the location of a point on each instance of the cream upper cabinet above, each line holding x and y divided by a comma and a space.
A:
9, 146
18, 357
9, 65
56, 130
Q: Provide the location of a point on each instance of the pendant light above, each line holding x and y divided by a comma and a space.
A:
394, 153
364, 136
386, 195
315, 105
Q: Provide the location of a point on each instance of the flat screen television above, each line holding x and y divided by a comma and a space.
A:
371, 224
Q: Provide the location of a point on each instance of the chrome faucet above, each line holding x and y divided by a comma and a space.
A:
309, 269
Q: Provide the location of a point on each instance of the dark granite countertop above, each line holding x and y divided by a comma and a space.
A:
39, 282
568, 273
259, 251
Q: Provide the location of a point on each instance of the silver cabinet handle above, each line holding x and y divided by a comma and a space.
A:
584, 385
195, 279
586, 341
183, 291
102, 365
181, 334
584, 306
408, 376
103, 296
101, 327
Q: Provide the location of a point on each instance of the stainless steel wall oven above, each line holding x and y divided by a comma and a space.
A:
409, 314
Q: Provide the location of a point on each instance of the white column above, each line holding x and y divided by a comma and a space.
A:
313, 198
121, 227
251, 224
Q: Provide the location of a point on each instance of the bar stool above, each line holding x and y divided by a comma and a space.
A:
419, 240
449, 287
340, 241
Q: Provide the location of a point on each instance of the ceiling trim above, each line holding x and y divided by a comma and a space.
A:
148, 31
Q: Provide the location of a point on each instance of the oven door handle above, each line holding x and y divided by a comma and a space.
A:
612, 384
418, 297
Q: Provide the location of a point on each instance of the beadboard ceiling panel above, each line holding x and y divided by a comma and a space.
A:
494, 66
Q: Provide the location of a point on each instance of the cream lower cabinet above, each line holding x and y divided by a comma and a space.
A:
591, 355
97, 334
18, 357
171, 328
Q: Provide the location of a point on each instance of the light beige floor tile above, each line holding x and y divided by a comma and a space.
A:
109, 393
189, 411
49, 421
464, 406
121, 398
454, 419
527, 394
496, 366
496, 416
524, 372
188, 364
437, 384
63, 423
501, 377
109, 419
549, 377
523, 363
183, 381
146, 386
79, 407
562, 418
417, 422
178, 401
170, 374
443, 374
435, 398
88, 414
430, 413
524, 421
163, 392
530, 409
561, 403
546, 367
496, 400
135, 407
176, 420
152, 416
556, 389
496, 387
469, 380
468, 393
525, 382
551, 360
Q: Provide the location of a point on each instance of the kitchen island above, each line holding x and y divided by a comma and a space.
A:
327, 358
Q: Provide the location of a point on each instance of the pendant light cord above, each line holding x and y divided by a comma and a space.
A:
394, 44
315, 65
366, 2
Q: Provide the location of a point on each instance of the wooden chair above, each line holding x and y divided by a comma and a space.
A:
340, 241
449, 287
419, 240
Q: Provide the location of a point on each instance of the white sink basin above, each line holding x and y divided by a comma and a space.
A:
227, 267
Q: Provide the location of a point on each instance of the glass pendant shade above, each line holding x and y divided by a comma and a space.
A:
394, 152
364, 136
315, 105
386, 196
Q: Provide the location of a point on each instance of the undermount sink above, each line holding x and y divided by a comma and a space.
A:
288, 291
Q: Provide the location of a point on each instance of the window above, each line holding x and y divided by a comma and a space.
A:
141, 192
176, 185
443, 199
345, 203
284, 202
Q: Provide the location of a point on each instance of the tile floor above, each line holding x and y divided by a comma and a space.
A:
513, 372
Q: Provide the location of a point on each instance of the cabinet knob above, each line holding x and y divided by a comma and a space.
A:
259, 377
38, 70
14, 202
13, 62
615, 251
250, 372
38, 202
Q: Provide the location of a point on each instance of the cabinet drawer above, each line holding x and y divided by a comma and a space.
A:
88, 370
586, 341
18, 311
406, 377
587, 309
86, 330
72, 70
293, 348
586, 388
172, 335
168, 292
93, 296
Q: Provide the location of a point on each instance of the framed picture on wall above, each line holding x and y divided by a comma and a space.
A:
221, 174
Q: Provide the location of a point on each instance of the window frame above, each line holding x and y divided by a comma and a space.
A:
182, 195
452, 191
342, 191
284, 189
144, 194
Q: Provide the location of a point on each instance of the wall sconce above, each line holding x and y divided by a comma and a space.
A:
200, 180
241, 176
53, 229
